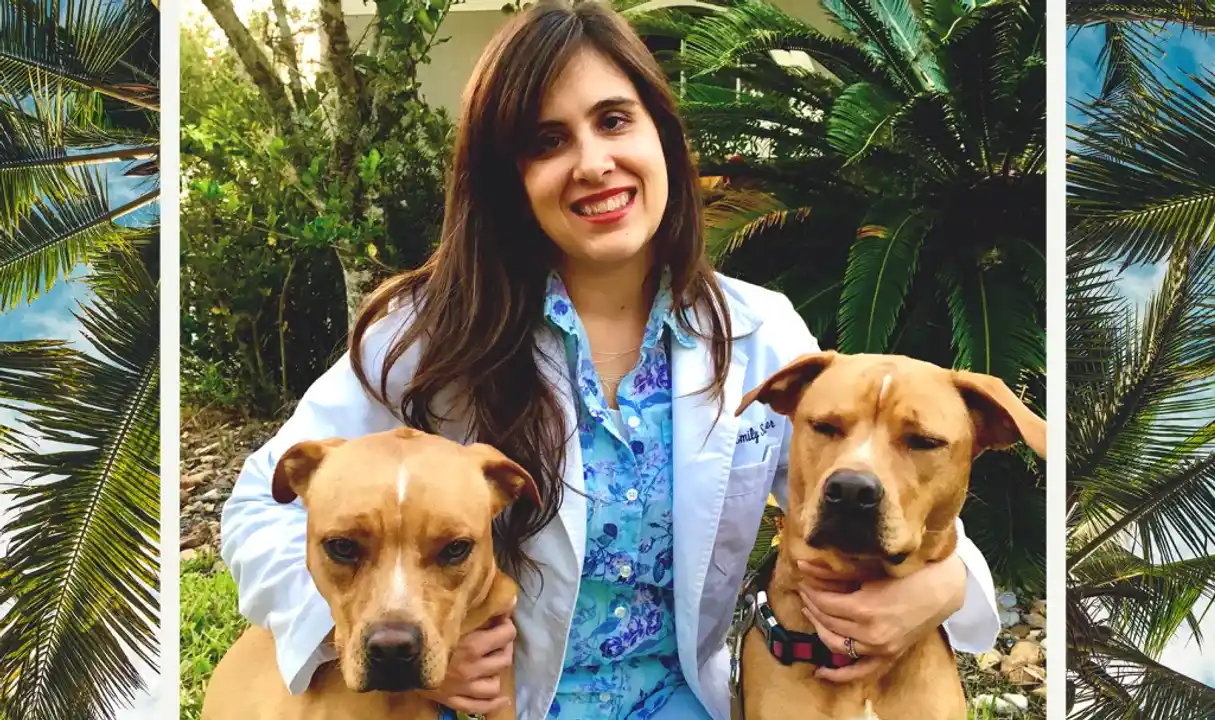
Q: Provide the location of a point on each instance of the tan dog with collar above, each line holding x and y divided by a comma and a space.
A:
879, 467
399, 545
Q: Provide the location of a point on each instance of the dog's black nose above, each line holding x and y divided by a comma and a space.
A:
394, 642
852, 491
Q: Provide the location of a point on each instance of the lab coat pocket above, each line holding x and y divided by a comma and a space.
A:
741, 512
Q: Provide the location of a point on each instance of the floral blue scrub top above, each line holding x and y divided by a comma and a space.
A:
621, 658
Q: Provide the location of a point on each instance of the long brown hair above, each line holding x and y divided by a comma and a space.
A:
479, 300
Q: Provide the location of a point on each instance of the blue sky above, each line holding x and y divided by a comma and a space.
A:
51, 317
1184, 53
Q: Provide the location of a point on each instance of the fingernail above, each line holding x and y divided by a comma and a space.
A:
802, 565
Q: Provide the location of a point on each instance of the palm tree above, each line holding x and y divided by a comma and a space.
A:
1131, 51
887, 174
1141, 384
78, 105
1141, 486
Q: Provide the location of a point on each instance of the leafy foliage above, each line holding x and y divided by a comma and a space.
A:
272, 219
78, 105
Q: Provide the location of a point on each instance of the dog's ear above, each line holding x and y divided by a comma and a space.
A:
507, 478
294, 469
1000, 418
782, 390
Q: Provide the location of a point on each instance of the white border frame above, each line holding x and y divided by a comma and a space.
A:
170, 354
1056, 358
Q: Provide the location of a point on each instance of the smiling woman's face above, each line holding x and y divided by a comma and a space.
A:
596, 176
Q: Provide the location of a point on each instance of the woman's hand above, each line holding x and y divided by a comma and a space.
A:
472, 684
883, 617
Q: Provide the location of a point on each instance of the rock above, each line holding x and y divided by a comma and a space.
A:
194, 508
206, 460
1007, 600
1039, 607
1036, 635
1018, 631
208, 448
1001, 706
188, 555
1026, 675
989, 660
1025, 652
208, 508
1035, 620
1017, 700
189, 482
192, 540
1008, 618
197, 478
1039, 692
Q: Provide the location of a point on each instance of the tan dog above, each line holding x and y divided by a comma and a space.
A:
399, 545
879, 467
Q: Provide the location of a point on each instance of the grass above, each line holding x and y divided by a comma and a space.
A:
210, 623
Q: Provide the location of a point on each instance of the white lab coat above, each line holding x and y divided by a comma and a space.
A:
723, 473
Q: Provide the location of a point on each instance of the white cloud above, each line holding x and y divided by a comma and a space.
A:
1186, 656
1138, 282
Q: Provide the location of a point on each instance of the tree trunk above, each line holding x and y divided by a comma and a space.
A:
357, 283
352, 111
287, 39
259, 67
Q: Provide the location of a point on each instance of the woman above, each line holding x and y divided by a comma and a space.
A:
570, 318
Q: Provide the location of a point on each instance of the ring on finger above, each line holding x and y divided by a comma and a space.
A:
850, 648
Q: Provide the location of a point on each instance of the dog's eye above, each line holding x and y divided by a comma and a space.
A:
826, 428
455, 552
923, 442
342, 550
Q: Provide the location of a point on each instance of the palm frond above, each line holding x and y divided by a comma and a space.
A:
1134, 201
1124, 445
83, 536
1128, 57
78, 46
880, 267
1196, 14
56, 237
1147, 602
875, 28
998, 84
861, 120
748, 32
1140, 687
742, 214
997, 330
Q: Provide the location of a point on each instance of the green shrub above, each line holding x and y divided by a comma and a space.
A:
273, 229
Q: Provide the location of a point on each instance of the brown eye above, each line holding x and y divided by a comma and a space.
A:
827, 429
923, 442
342, 550
545, 144
455, 552
615, 122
